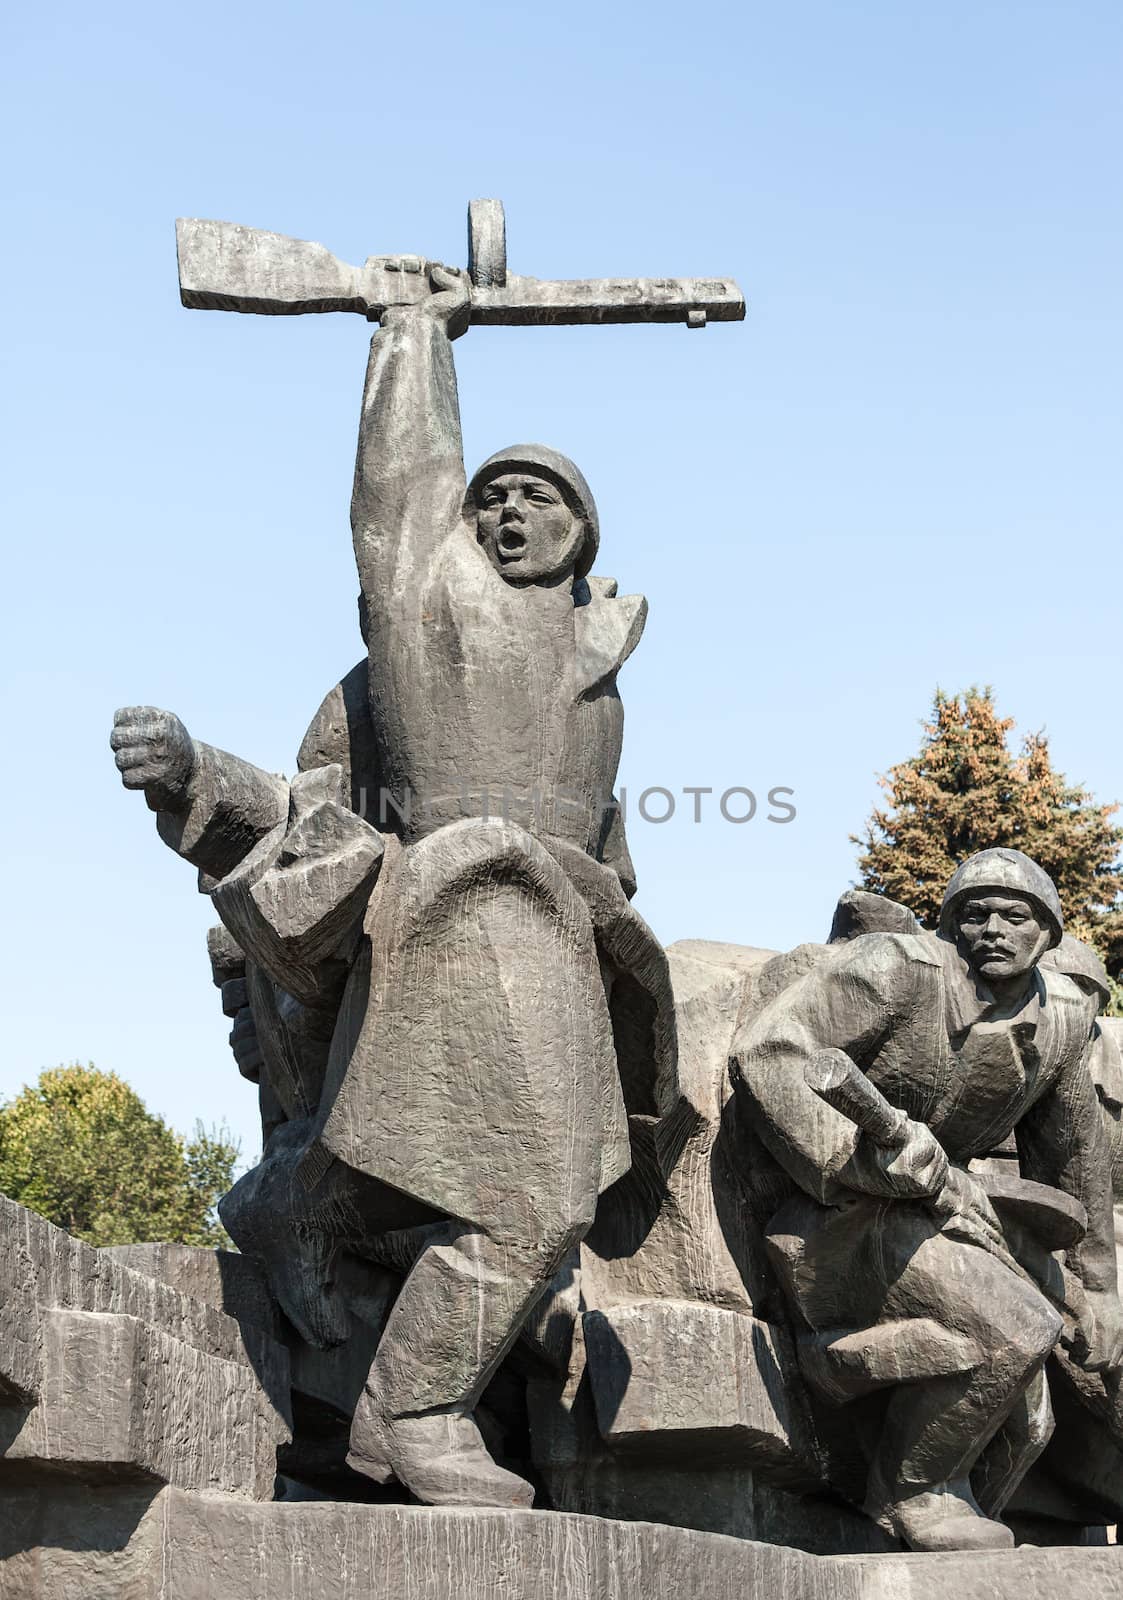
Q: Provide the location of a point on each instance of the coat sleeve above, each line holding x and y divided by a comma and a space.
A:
409, 472
852, 1000
1062, 1141
229, 807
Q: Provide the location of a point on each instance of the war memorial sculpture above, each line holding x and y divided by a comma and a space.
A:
572, 1265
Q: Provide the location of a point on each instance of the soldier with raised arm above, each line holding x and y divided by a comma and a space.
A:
472, 1067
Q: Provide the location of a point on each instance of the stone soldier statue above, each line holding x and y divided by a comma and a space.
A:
471, 1084
864, 1089
1079, 1477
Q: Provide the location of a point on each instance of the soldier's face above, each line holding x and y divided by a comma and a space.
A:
1001, 936
529, 533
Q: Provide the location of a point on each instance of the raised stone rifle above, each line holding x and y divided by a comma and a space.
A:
226, 267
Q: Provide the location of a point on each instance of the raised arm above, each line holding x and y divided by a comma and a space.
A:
409, 474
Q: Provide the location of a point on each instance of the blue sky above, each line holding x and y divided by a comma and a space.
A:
901, 471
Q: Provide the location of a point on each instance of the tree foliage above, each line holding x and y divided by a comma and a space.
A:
965, 790
81, 1148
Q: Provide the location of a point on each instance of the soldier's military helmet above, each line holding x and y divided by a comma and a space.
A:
1079, 961
539, 461
1003, 872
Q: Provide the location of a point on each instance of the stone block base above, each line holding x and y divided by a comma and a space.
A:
72, 1542
105, 1371
1069, 1573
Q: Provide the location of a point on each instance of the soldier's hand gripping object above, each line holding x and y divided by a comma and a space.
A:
949, 1192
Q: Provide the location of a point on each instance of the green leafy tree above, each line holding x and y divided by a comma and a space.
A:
81, 1148
965, 790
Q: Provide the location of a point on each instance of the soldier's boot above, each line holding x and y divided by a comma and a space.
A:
935, 1431
947, 1517
440, 1458
458, 1313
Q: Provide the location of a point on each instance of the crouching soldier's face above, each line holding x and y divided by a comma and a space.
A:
1001, 936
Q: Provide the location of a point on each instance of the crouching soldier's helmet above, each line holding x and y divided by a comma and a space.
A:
1003, 872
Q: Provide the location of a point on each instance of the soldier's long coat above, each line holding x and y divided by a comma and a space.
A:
406, 1100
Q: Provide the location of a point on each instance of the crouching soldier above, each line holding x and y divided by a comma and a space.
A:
865, 1089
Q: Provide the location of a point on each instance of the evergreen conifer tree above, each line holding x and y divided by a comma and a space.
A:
965, 790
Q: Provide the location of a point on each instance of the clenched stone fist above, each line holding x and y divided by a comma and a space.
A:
449, 300
154, 752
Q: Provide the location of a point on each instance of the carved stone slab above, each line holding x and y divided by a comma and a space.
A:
693, 1376
108, 1372
68, 1540
192, 1547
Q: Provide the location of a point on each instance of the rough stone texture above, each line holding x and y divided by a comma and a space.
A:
457, 1012
75, 1543
1079, 1476
226, 267
118, 1394
676, 1228
1074, 1574
675, 1402
858, 911
926, 1301
331, 1378
184, 1547
221, 1278
108, 1371
516, 1226
661, 1376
